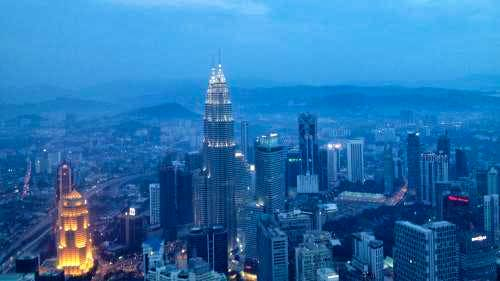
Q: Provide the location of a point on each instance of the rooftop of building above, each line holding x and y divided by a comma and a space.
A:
362, 197
293, 214
437, 224
412, 226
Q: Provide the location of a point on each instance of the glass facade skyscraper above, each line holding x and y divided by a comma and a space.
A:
270, 173
308, 142
425, 253
355, 161
413, 161
433, 169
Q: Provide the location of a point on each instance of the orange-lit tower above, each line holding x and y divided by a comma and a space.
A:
74, 245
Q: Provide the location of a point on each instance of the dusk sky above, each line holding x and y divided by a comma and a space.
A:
83, 42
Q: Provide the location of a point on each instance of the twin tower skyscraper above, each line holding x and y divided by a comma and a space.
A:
219, 151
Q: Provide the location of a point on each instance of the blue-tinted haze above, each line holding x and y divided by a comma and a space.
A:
83, 42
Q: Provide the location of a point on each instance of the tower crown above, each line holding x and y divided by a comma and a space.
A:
217, 76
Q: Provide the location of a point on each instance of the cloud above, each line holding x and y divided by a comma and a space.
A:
247, 7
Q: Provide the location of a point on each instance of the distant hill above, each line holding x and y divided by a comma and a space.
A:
33, 94
163, 100
161, 112
56, 105
344, 99
136, 94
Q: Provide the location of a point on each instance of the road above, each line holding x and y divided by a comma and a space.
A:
43, 228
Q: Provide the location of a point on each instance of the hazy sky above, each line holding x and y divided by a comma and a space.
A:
82, 42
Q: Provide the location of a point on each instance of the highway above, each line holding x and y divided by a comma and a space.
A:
44, 227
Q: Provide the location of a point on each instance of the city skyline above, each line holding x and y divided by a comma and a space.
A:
217, 214
124, 165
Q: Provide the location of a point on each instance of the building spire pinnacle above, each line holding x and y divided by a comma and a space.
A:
220, 58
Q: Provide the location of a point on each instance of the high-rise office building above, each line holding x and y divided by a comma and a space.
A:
368, 255
443, 145
332, 163
197, 243
168, 199
194, 160
412, 253
323, 168
154, 204
376, 262
308, 142
27, 264
425, 253
184, 194
313, 255
433, 169
293, 169
64, 180
413, 161
456, 208
270, 173
209, 244
74, 244
153, 254
309, 258
294, 224
272, 249
308, 183
218, 143
400, 171
491, 217
200, 197
355, 161
477, 257
481, 178
323, 213
492, 181
249, 216
461, 169
176, 197
244, 138
45, 166
242, 193
388, 170
132, 232
217, 248
446, 264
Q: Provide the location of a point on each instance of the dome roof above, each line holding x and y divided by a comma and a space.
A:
73, 195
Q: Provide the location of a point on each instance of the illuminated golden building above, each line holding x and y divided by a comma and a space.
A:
74, 245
